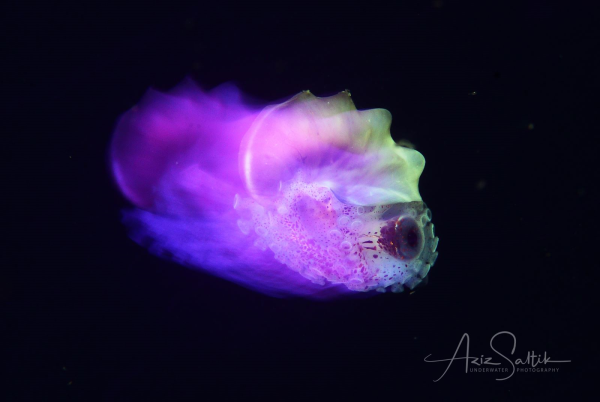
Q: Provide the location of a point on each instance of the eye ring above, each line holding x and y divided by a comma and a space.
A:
409, 238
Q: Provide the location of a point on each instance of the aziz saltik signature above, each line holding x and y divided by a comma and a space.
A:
532, 359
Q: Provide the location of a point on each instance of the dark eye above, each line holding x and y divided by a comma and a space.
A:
408, 238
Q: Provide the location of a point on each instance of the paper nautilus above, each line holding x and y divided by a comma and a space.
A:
309, 197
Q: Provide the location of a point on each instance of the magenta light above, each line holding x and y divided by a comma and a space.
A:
309, 197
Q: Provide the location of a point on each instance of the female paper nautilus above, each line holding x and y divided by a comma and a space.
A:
309, 197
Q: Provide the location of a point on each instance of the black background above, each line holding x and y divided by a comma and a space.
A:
500, 99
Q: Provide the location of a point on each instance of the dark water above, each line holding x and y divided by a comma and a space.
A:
500, 99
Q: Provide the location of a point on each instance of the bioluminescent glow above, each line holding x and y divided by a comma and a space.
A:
309, 197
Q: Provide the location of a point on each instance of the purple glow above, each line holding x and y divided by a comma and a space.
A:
300, 198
